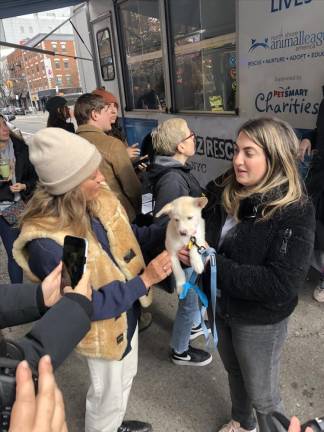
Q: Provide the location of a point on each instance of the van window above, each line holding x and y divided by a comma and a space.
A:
105, 55
141, 35
204, 57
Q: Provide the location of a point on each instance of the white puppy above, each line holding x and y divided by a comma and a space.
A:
185, 222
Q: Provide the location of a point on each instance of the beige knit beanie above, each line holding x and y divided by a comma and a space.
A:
62, 159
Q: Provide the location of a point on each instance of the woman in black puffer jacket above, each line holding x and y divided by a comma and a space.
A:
262, 226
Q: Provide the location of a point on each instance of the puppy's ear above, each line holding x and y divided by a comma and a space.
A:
201, 202
167, 209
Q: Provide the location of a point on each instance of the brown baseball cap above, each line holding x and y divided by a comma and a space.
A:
106, 95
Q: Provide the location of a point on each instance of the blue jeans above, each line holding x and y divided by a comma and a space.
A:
304, 166
8, 235
188, 316
251, 356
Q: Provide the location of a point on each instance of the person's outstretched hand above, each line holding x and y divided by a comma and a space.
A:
44, 412
51, 286
305, 148
133, 151
157, 270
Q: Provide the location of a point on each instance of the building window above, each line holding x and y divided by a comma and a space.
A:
105, 55
141, 32
204, 57
200, 50
68, 80
63, 46
54, 45
58, 80
57, 64
66, 64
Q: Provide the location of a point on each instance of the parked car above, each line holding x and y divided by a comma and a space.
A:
8, 115
20, 111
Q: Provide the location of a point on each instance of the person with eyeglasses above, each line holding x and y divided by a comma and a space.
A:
170, 178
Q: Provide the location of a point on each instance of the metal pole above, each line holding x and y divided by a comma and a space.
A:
30, 99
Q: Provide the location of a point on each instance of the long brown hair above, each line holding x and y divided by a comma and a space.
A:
280, 145
70, 210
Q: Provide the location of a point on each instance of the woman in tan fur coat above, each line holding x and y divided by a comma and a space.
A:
72, 199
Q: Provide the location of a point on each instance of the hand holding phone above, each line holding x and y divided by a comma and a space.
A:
51, 286
142, 160
74, 260
83, 287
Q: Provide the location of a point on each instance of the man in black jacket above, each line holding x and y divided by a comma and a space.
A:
64, 320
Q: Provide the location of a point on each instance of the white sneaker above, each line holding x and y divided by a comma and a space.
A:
234, 426
319, 294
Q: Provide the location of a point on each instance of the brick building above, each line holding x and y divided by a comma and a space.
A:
41, 74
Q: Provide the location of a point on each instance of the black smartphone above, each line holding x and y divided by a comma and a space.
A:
144, 160
75, 251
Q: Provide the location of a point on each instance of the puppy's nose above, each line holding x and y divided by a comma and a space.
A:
183, 233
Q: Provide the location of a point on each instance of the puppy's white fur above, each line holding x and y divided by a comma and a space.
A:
185, 222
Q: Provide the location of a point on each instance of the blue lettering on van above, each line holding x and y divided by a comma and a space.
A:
279, 5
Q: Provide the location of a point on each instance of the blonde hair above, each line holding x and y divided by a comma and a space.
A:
168, 135
280, 145
71, 210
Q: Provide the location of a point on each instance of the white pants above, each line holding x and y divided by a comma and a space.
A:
108, 393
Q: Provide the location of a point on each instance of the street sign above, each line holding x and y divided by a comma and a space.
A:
48, 68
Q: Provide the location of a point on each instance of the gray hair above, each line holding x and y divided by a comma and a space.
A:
168, 135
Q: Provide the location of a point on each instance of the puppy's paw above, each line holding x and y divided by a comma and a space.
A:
198, 266
179, 285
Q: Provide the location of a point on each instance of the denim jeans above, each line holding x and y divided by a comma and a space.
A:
188, 316
305, 166
251, 356
8, 235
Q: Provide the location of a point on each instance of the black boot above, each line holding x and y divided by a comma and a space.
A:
134, 426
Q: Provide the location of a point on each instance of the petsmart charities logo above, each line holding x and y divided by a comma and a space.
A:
298, 40
286, 100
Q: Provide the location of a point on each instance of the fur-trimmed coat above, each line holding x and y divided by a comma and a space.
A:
107, 337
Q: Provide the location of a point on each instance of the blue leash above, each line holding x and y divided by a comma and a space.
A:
203, 300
